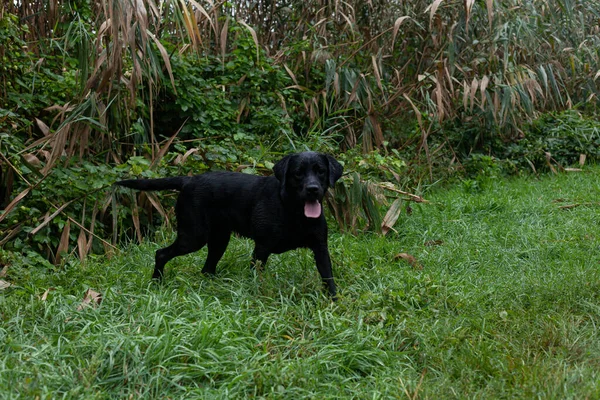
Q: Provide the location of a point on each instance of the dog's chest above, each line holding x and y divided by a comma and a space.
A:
286, 235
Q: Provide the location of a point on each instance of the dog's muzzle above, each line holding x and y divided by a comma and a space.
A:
312, 209
312, 206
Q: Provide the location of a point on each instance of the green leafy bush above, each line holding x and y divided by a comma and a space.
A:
229, 107
564, 136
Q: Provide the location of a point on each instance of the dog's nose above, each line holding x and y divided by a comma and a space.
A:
312, 189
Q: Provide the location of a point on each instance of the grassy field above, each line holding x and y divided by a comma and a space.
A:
503, 303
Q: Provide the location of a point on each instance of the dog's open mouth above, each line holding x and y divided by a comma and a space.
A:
312, 209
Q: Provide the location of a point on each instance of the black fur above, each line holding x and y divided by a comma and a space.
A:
273, 211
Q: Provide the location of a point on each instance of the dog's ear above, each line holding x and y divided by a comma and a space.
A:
280, 169
335, 170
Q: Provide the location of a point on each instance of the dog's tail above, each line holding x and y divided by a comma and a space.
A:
174, 183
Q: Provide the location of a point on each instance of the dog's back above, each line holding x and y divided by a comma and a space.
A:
217, 199
224, 182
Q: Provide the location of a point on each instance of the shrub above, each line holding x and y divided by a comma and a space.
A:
564, 136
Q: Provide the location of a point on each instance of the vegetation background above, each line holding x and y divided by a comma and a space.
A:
483, 288
404, 93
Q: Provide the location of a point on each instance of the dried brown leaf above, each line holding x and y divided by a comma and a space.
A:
187, 154
449, 78
353, 95
61, 108
241, 109
155, 11
11, 233
391, 216
14, 203
191, 24
483, 86
466, 91
348, 21
377, 131
32, 160
58, 141
91, 298
82, 244
4, 271
165, 148
291, 74
254, 37
549, 162
490, 9
410, 259
439, 90
4, 284
417, 112
135, 216
391, 171
46, 293
43, 127
223, 39
397, 24
165, 57
468, 8
63, 245
432, 8
474, 86
569, 206
203, 11
377, 73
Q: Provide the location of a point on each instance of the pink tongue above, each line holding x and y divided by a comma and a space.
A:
312, 209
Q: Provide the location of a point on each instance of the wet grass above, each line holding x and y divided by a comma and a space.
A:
505, 303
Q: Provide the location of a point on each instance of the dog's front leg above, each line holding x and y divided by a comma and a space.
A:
260, 255
324, 266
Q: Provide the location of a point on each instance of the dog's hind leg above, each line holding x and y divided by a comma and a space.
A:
182, 245
216, 248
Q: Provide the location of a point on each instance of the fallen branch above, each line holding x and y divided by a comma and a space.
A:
412, 197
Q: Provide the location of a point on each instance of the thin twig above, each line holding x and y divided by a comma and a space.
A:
351, 57
91, 233
569, 206
413, 197
14, 168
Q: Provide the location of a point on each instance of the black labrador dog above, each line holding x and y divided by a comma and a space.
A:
280, 213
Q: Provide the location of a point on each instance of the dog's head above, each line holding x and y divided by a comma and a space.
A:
305, 178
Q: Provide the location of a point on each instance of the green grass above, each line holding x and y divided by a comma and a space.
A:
506, 305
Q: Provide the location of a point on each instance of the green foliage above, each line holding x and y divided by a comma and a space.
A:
553, 139
29, 85
357, 199
375, 165
80, 187
564, 136
506, 305
13, 66
13, 60
107, 83
229, 108
482, 165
